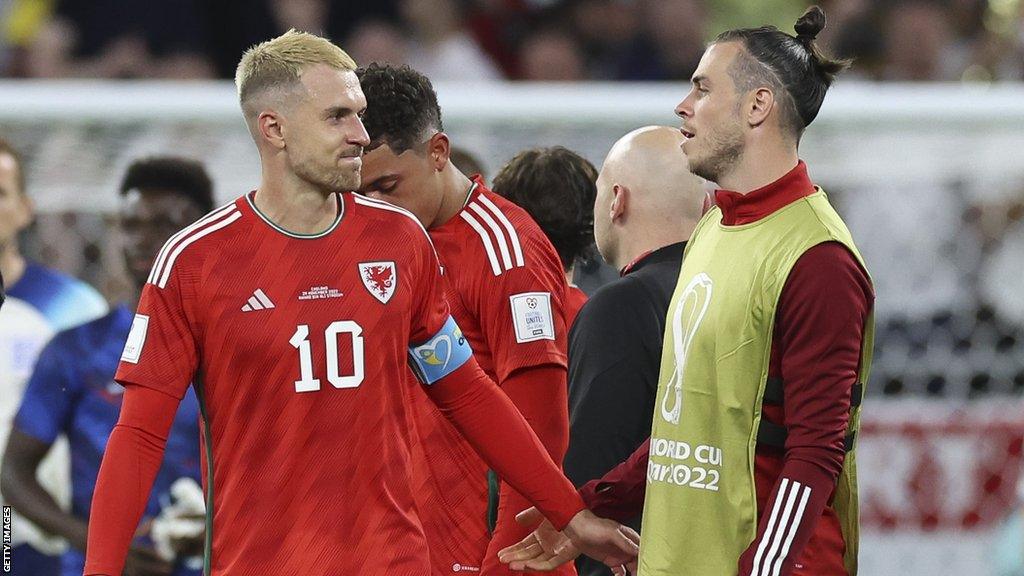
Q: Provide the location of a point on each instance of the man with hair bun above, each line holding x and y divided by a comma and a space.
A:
751, 465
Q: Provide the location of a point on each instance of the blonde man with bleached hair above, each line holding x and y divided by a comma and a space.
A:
269, 70
281, 60
286, 84
264, 302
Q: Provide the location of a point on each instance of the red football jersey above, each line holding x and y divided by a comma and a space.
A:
574, 301
506, 289
298, 349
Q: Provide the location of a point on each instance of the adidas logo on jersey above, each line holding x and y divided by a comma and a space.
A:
258, 301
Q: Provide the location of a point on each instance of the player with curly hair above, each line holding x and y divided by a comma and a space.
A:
507, 289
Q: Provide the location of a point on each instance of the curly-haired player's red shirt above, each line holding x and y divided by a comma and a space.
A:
507, 290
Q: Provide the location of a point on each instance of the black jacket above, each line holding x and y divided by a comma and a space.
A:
614, 359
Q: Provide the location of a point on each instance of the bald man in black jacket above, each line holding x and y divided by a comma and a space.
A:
647, 205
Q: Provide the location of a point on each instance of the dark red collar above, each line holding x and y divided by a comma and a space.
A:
738, 209
664, 253
629, 267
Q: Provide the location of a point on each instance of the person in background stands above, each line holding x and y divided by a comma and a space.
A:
72, 391
40, 303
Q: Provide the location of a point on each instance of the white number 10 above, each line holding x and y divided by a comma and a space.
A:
306, 381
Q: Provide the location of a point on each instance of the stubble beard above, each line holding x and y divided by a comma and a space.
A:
726, 148
329, 180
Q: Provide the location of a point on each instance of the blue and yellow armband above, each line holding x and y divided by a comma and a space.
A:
443, 354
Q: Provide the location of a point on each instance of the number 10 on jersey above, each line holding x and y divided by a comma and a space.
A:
300, 340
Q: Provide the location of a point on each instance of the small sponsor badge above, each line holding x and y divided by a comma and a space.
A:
136, 339
531, 314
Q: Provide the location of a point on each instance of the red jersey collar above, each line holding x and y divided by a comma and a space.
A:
738, 209
475, 189
629, 267
656, 255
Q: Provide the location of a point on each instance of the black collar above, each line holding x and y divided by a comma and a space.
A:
670, 253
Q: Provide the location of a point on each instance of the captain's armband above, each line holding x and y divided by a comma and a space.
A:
443, 354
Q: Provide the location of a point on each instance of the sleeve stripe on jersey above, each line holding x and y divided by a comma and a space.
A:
186, 241
360, 199
212, 227
782, 494
169, 245
512, 234
491, 215
502, 244
780, 529
488, 245
793, 529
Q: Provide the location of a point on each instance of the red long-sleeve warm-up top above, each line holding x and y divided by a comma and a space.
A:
816, 348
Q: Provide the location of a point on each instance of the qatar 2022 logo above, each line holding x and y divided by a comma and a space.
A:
686, 320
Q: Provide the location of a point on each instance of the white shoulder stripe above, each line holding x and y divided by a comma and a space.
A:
189, 240
162, 254
161, 257
391, 207
512, 234
486, 239
498, 235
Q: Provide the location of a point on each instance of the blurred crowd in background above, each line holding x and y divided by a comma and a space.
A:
552, 40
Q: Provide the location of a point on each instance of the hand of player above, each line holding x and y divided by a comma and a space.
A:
143, 561
545, 549
603, 540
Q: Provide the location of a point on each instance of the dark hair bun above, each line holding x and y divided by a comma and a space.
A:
810, 24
